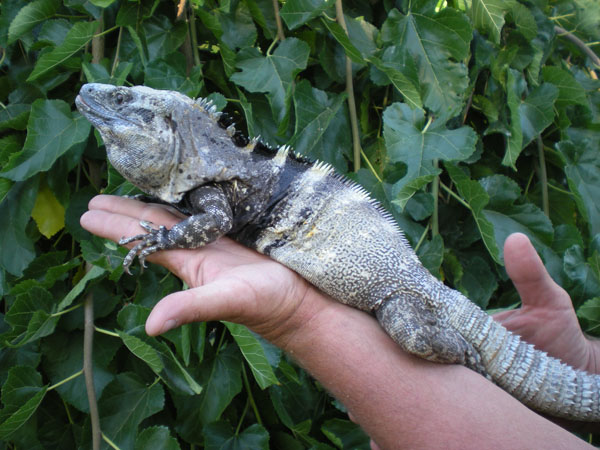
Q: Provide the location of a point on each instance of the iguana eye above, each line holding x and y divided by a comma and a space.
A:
119, 99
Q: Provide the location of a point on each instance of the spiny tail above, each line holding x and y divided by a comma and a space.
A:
539, 381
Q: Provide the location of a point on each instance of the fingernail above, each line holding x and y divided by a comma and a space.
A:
169, 325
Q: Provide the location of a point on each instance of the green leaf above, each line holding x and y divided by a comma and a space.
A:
537, 111
515, 141
143, 351
158, 437
51, 131
523, 19
589, 313
29, 16
92, 274
22, 394
156, 354
222, 381
315, 112
404, 85
585, 282
345, 434
294, 399
583, 174
488, 16
14, 116
431, 254
48, 212
478, 282
297, 12
254, 354
340, 35
78, 37
438, 44
170, 73
63, 357
273, 74
476, 197
412, 141
31, 315
125, 403
97, 73
570, 92
102, 3
17, 250
221, 436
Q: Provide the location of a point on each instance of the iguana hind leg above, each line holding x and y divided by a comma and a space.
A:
415, 327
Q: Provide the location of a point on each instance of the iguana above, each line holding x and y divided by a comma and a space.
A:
328, 229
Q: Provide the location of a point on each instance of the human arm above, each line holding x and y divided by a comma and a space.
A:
399, 400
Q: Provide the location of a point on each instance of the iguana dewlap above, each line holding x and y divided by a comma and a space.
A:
183, 152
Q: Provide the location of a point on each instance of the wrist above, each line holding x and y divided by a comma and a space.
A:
304, 323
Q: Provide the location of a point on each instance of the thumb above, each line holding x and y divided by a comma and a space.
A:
218, 300
528, 274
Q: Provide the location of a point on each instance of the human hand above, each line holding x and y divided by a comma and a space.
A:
546, 318
227, 281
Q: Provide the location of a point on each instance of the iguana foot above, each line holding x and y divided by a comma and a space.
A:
418, 330
156, 239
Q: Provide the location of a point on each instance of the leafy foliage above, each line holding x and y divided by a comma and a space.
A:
477, 119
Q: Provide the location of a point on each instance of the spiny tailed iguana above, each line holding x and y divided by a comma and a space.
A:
185, 153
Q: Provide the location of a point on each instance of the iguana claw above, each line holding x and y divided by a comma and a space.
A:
151, 242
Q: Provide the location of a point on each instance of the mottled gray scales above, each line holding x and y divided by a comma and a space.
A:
184, 153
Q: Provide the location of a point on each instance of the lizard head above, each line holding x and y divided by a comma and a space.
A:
149, 139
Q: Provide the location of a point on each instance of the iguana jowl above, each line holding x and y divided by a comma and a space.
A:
183, 152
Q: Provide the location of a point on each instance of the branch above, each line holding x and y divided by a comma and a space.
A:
339, 13
579, 43
88, 341
280, 34
186, 47
98, 42
543, 176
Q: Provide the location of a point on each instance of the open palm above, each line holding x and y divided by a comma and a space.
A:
546, 318
227, 281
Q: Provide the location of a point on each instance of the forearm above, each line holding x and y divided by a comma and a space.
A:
405, 402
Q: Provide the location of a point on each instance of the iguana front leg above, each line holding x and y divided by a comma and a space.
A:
213, 220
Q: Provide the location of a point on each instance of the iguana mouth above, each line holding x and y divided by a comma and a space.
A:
97, 113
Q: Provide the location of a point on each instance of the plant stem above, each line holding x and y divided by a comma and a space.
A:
242, 417
579, 43
192, 18
98, 42
250, 396
371, 168
66, 380
186, 47
109, 442
66, 311
422, 238
350, 91
103, 331
456, 196
435, 192
88, 342
280, 34
543, 176
115, 63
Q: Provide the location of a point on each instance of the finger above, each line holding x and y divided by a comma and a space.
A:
528, 274
219, 300
133, 208
116, 226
